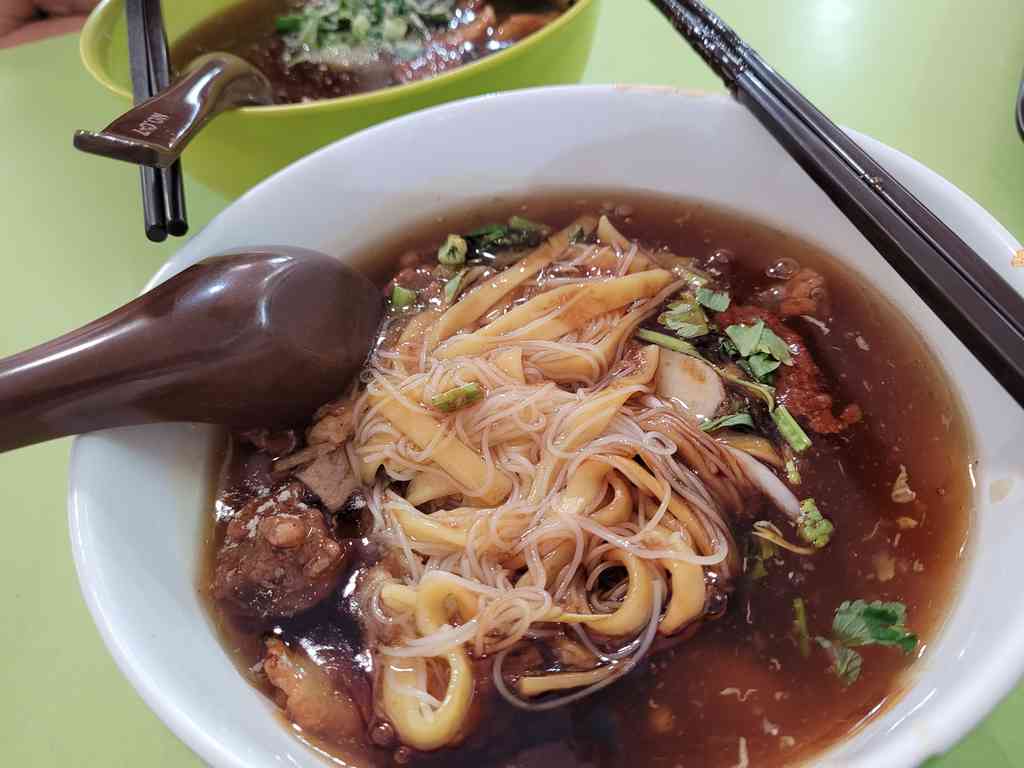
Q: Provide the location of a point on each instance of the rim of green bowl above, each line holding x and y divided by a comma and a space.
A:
89, 47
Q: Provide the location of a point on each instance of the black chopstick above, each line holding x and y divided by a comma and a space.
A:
978, 306
159, 79
153, 208
163, 196
1019, 108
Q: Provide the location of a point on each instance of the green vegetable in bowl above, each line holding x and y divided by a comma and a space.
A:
457, 397
859, 623
402, 297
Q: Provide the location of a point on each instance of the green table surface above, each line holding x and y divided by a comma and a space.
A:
934, 78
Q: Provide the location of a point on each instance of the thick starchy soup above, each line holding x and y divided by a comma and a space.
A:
322, 49
626, 481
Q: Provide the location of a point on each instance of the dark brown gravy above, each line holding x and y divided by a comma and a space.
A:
742, 675
247, 30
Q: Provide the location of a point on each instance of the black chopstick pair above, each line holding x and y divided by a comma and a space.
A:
163, 196
974, 302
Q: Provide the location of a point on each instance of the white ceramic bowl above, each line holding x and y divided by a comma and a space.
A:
138, 495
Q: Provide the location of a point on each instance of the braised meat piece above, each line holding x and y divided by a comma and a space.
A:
330, 697
278, 558
801, 387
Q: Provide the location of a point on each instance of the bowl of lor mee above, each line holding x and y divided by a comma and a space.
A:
338, 66
656, 462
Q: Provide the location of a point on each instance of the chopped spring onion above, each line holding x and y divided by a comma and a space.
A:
453, 251
800, 633
812, 526
668, 342
792, 473
741, 419
521, 222
759, 552
402, 297
457, 397
790, 430
717, 301
453, 287
290, 23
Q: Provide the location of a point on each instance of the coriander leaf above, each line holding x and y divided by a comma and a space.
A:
846, 663
761, 365
402, 297
457, 397
792, 432
812, 526
800, 634
685, 317
668, 342
727, 347
714, 300
772, 345
746, 337
877, 623
741, 419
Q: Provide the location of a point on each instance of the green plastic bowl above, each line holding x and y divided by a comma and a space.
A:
244, 146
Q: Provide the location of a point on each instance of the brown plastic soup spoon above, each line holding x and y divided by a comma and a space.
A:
254, 339
156, 131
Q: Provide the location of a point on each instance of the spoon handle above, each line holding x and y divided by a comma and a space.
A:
156, 132
260, 338
120, 369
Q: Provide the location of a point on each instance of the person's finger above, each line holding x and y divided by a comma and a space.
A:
65, 7
37, 30
14, 14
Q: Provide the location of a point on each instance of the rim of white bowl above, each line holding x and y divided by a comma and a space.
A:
977, 696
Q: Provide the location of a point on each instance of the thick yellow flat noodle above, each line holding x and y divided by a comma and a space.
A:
635, 610
607, 233
511, 362
608, 260
451, 454
591, 419
427, 529
427, 486
576, 305
679, 508
556, 555
368, 467
687, 591
441, 725
535, 685
475, 304
412, 337
569, 367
